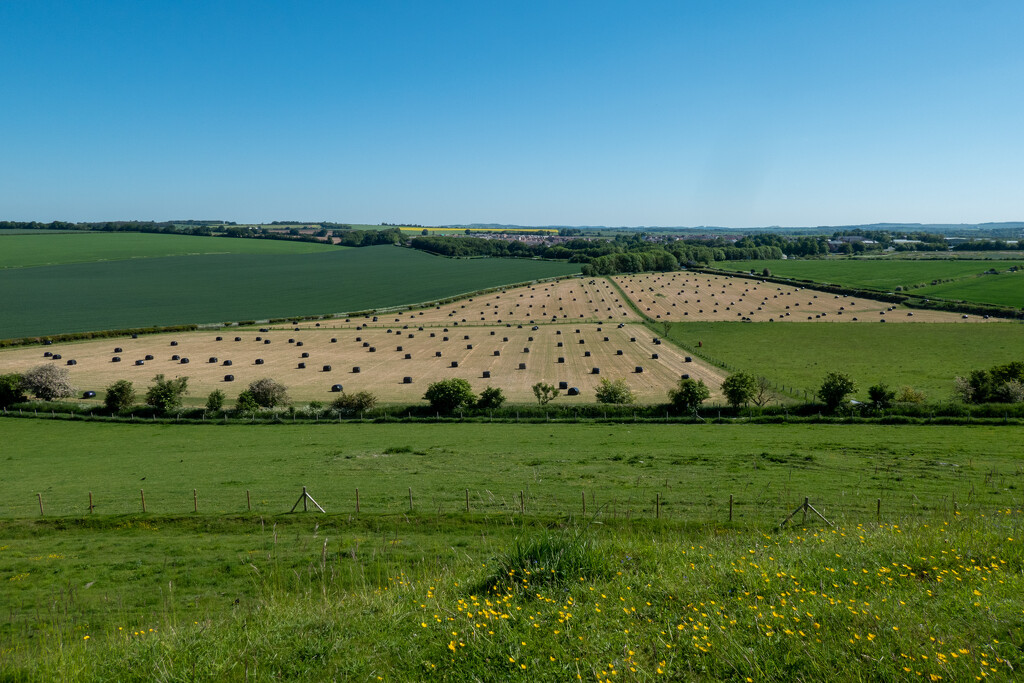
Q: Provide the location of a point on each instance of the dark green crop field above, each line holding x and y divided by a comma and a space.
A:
1006, 289
881, 274
225, 287
23, 250
925, 356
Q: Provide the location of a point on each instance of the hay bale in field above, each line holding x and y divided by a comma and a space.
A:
607, 339
497, 353
217, 339
526, 349
264, 329
149, 356
583, 341
229, 378
639, 369
504, 339
563, 386
398, 348
175, 357
135, 336
88, 394
304, 354
654, 356
437, 354
298, 343
522, 366
334, 340
259, 361
213, 359
558, 332
117, 349
559, 345
227, 362
140, 362
408, 356
586, 354
183, 361
366, 345
469, 346
573, 391
372, 349
595, 371
259, 338
486, 374
632, 339
115, 359
291, 341
266, 341
687, 359
561, 359
327, 368
336, 388
174, 343
72, 362
529, 339
302, 366
618, 352
657, 341
492, 333
455, 363
48, 354
407, 380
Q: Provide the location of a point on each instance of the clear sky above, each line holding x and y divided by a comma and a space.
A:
575, 113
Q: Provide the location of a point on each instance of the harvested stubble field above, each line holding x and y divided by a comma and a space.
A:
435, 353
699, 297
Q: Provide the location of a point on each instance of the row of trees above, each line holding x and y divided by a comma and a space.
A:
999, 384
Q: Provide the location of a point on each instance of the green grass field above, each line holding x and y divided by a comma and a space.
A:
615, 594
21, 251
881, 274
224, 287
926, 356
1005, 289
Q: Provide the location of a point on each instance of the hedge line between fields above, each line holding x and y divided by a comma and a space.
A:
99, 334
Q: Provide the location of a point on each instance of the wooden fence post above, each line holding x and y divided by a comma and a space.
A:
410, 499
522, 503
357, 501
467, 500
878, 509
40, 497
807, 502
583, 495
195, 501
657, 506
730, 507
143, 495
90, 502
248, 501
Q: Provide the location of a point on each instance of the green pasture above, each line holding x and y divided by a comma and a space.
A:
1005, 289
616, 593
22, 251
925, 356
882, 274
213, 288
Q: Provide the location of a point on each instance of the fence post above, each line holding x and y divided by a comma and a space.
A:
40, 497
357, 501
657, 506
410, 499
583, 495
143, 495
730, 507
90, 502
806, 503
522, 503
878, 509
467, 500
195, 501
248, 502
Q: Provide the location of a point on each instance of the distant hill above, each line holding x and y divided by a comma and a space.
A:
1009, 228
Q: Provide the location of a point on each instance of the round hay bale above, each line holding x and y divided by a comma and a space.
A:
227, 362
218, 338
302, 366
259, 361
632, 339
504, 339
444, 338
455, 363
573, 391
522, 366
497, 353
586, 354
184, 361
140, 362
563, 385
398, 348
327, 368
657, 341
266, 341
486, 374
654, 356
174, 343
529, 339
48, 354
465, 336
238, 339
304, 354
561, 359
469, 346
72, 362
687, 360
298, 343
408, 356
175, 357
291, 341
558, 332
526, 349
88, 394
492, 333
607, 339
437, 354
639, 369
117, 349
372, 349
595, 371
559, 344
115, 359
407, 380
334, 340
264, 329
366, 345
355, 370
149, 356
135, 336
213, 359
229, 378
684, 376
259, 338
337, 388
618, 352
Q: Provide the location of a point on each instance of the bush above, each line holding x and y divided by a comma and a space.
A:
246, 403
616, 392
834, 389
449, 395
910, 395
881, 396
688, 396
351, 404
267, 393
165, 395
48, 382
739, 388
215, 401
491, 398
11, 390
545, 393
120, 396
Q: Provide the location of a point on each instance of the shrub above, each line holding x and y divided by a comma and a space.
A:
48, 382
881, 396
616, 392
491, 398
267, 393
11, 390
545, 392
910, 395
552, 560
350, 404
448, 395
120, 396
688, 396
834, 389
165, 395
245, 403
215, 401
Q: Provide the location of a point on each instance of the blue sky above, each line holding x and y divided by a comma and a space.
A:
574, 113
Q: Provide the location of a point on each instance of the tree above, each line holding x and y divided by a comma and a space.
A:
616, 392
491, 398
120, 396
881, 396
688, 395
910, 395
245, 403
545, 392
267, 393
766, 272
215, 401
448, 395
762, 391
11, 390
834, 389
165, 394
48, 382
350, 404
739, 389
